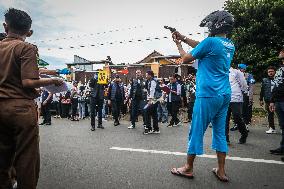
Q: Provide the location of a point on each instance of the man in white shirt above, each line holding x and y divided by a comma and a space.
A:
151, 108
238, 86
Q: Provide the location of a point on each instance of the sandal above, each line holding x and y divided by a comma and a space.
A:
222, 179
180, 172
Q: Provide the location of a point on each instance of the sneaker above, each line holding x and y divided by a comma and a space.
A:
278, 151
234, 128
247, 127
93, 128
103, 119
243, 139
271, 131
42, 123
147, 131
178, 124
156, 132
15, 185
131, 127
100, 127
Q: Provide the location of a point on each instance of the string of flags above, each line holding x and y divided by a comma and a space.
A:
101, 44
89, 34
93, 34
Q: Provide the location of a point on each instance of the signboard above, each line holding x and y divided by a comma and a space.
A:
102, 77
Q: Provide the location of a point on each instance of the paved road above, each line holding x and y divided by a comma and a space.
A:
73, 157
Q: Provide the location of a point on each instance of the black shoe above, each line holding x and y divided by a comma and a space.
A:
278, 151
116, 123
100, 127
234, 128
243, 139
47, 123
147, 131
42, 123
93, 129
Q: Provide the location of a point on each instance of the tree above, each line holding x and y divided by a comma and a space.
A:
259, 32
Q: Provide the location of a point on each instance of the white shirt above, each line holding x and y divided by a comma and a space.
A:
153, 84
178, 91
238, 85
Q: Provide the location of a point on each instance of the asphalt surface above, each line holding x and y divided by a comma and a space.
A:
73, 157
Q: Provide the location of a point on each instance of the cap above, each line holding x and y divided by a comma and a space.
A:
242, 66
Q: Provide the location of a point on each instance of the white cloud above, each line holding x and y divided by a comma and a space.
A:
62, 19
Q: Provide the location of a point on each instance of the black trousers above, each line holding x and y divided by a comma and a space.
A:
190, 110
116, 107
65, 110
235, 108
96, 108
270, 116
136, 108
247, 110
46, 112
173, 108
74, 106
279, 109
151, 112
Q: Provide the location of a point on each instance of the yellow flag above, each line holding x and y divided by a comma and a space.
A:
102, 77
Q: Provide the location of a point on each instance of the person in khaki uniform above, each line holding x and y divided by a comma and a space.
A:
19, 76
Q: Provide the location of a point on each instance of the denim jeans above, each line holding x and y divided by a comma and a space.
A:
82, 109
270, 116
162, 112
279, 108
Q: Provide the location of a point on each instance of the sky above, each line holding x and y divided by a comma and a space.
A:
84, 25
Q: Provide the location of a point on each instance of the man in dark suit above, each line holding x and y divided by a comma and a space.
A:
116, 97
96, 102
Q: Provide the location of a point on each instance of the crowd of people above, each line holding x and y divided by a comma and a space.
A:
116, 100
216, 92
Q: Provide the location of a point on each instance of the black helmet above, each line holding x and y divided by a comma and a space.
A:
218, 22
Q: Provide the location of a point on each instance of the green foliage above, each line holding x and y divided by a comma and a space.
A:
258, 33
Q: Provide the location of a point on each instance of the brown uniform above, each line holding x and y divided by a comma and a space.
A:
19, 134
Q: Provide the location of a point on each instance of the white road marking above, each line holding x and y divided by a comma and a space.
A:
203, 156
